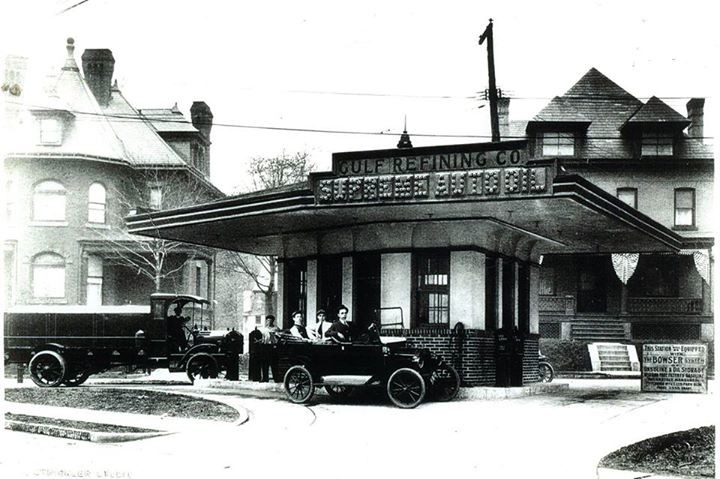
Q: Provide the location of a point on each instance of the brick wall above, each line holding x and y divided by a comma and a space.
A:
472, 352
530, 359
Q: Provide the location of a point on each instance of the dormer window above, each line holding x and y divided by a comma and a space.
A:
656, 144
558, 144
50, 131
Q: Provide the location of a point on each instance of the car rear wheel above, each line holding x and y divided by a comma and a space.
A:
338, 392
406, 388
299, 385
446, 384
201, 366
47, 369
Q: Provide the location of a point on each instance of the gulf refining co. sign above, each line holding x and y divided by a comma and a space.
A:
674, 368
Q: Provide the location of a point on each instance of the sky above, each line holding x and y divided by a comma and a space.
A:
367, 66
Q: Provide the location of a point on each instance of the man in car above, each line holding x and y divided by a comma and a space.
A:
340, 330
298, 328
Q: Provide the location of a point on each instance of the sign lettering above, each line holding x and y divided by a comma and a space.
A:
399, 165
436, 185
674, 368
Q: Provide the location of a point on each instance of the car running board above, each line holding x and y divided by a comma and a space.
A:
346, 380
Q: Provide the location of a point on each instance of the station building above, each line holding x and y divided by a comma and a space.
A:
446, 245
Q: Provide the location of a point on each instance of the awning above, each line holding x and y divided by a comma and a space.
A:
573, 216
492, 197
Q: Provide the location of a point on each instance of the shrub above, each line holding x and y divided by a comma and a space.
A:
566, 355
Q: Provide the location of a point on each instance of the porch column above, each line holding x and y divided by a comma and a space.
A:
396, 287
347, 283
467, 289
623, 298
311, 291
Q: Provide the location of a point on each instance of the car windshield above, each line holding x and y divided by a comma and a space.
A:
195, 315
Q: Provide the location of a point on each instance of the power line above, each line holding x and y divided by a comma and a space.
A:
71, 7
118, 117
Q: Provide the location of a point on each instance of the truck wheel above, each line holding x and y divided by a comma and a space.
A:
299, 385
76, 375
406, 388
201, 365
47, 369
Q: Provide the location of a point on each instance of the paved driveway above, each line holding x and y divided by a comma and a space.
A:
552, 436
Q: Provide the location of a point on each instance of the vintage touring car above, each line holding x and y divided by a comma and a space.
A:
408, 375
65, 345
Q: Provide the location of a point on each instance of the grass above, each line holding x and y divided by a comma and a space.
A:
687, 453
155, 403
87, 426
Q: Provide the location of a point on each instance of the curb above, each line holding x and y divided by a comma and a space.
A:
80, 434
511, 392
276, 390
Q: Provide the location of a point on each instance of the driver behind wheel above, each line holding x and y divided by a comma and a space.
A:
340, 329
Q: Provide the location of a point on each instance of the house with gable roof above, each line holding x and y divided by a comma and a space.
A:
654, 159
80, 158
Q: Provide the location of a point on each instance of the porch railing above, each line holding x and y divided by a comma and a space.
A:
665, 305
557, 304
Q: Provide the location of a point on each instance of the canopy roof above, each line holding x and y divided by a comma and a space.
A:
568, 215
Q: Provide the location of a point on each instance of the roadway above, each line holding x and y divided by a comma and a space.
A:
560, 435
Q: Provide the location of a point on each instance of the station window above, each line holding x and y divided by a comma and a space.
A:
558, 144
628, 196
432, 293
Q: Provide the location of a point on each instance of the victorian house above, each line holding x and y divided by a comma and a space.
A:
78, 158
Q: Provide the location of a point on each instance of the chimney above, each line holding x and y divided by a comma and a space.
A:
695, 109
503, 108
202, 118
98, 65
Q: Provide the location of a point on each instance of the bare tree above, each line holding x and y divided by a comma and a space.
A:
153, 189
277, 171
268, 173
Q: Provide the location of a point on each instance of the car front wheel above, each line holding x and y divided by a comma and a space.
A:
298, 384
406, 388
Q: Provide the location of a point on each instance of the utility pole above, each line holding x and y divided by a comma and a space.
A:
494, 122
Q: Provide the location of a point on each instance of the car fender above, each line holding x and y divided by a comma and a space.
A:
200, 348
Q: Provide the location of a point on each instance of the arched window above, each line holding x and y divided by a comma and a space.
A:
96, 203
49, 201
48, 276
